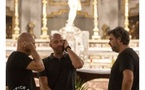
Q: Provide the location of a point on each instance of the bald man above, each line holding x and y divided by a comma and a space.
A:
60, 66
19, 65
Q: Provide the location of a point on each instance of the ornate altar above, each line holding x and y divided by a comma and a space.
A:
99, 53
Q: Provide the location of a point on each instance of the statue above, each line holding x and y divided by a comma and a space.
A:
74, 5
79, 41
31, 26
9, 32
134, 29
105, 29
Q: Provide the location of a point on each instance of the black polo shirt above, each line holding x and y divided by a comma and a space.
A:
60, 73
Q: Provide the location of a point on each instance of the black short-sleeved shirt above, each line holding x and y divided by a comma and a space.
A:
17, 76
60, 73
127, 59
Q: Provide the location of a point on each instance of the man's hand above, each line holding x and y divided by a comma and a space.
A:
28, 46
65, 43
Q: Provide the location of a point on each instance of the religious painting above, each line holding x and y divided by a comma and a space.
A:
134, 26
8, 27
9, 23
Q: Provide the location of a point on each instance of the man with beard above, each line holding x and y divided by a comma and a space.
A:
60, 66
125, 70
19, 65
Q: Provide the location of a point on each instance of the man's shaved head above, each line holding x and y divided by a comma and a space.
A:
54, 36
25, 37
57, 43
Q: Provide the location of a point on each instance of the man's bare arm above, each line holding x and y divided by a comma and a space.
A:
76, 60
43, 83
37, 63
127, 80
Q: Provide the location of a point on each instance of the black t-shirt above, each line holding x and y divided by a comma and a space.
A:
60, 73
127, 59
17, 76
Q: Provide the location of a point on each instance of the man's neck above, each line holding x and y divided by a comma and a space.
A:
21, 50
123, 47
60, 55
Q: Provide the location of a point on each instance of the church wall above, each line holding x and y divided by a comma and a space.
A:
110, 13
30, 11
58, 22
107, 14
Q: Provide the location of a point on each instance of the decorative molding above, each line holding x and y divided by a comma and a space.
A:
84, 14
59, 12
98, 49
9, 12
136, 13
64, 2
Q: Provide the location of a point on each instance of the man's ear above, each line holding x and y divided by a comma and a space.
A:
119, 39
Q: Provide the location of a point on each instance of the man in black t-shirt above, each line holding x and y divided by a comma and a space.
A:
125, 70
19, 65
60, 66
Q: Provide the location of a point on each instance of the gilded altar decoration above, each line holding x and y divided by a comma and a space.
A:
134, 29
96, 30
16, 22
126, 23
31, 26
44, 29
105, 29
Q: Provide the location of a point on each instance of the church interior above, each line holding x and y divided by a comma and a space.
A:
41, 18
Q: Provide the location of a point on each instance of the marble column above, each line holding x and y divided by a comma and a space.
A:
30, 11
